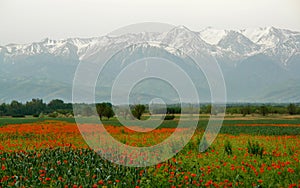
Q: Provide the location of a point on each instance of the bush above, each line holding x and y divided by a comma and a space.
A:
264, 110
41, 115
255, 149
292, 109
228, 148
169, 117
53, 115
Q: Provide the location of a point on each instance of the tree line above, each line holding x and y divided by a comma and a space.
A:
57, 107
264, 109
35, 107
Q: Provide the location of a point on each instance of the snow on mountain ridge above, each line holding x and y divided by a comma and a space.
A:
211, 35
236, 42
278, 43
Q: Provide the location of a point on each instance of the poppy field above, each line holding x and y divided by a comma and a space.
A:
54, 154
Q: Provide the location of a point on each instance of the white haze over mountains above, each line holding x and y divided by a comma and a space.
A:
259, 65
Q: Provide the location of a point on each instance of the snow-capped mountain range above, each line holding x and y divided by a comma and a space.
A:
242, 54
278, 43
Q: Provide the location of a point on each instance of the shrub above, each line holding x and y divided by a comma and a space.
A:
264, 110
41, 115
227, 147
292, 109
169, 117
255, 148
53, 115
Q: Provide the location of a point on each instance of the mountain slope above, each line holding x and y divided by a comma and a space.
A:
253, 61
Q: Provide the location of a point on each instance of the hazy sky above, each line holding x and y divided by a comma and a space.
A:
25, 21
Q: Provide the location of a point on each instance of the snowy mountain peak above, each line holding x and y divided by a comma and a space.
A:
178, 33
267, 36
236, 42
181, 27
189, 41
280, 44
256, 58
211, 35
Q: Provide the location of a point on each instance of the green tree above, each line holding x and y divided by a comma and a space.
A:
16, 109
208, 109
56, 104
87, 111
3, 109
108, 112
100, 109
246, 110
264, 110
35, 107
103, 109
138, 110
292, 109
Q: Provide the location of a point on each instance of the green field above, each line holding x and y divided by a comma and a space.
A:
268, 125
248, 152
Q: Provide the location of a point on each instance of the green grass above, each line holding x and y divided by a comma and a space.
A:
263, 121
229, 127
9, 120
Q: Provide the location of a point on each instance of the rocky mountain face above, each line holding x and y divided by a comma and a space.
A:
259, 65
